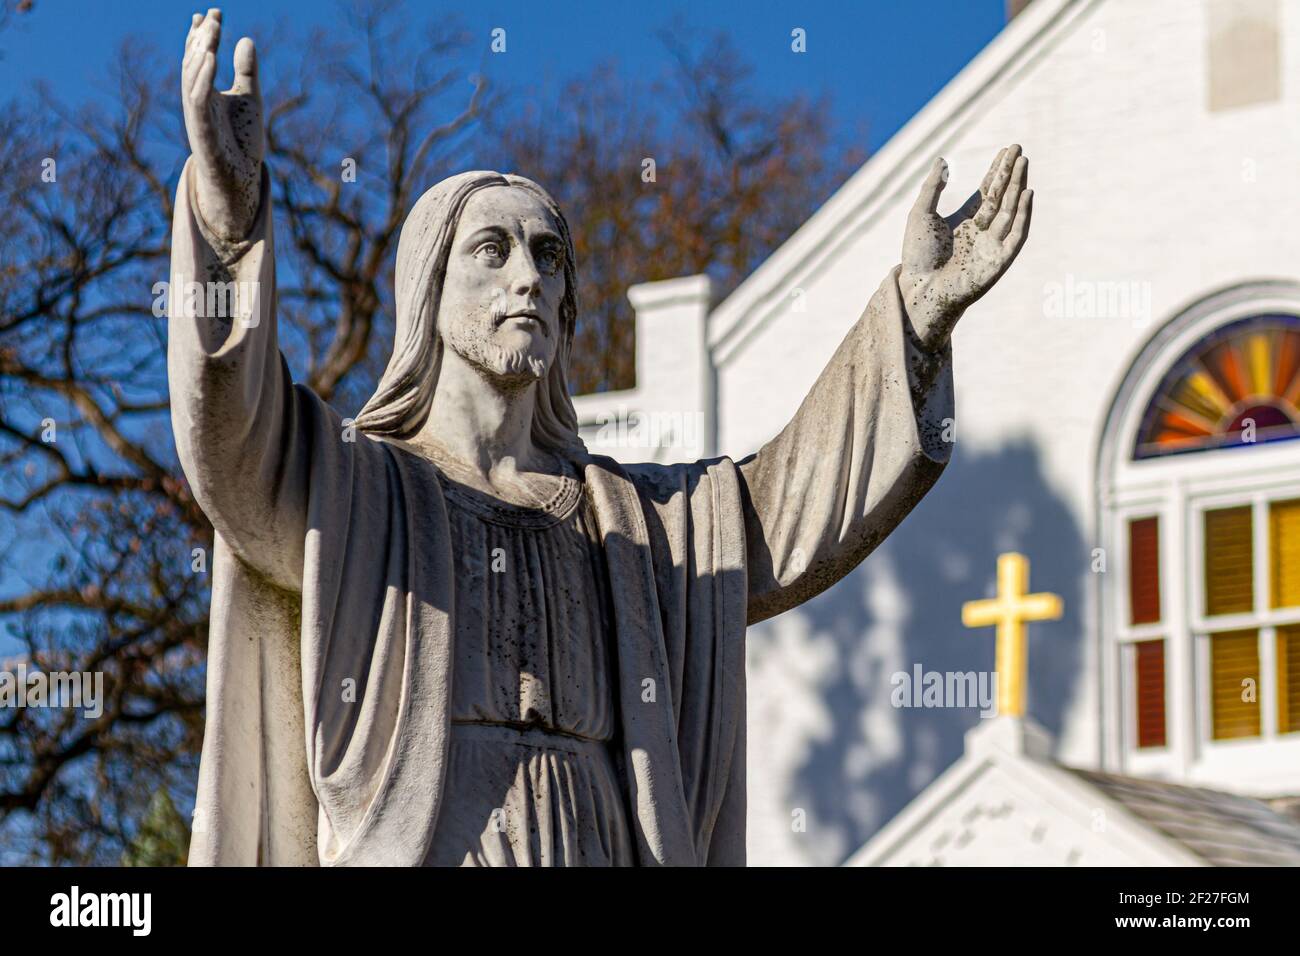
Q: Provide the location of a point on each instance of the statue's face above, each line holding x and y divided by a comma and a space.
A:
500, 306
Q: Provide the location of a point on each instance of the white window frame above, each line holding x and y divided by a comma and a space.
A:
1177, 489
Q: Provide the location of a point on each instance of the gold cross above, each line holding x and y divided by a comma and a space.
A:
1010, 610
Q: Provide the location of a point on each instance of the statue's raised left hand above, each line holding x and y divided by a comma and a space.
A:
949, 262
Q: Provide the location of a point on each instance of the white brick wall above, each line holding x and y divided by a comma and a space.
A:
1135, 181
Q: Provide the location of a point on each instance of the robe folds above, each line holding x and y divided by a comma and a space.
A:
333, 612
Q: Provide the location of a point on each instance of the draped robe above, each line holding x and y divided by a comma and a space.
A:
332, 568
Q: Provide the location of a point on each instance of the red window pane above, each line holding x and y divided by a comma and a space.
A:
1149, 676
1144, 570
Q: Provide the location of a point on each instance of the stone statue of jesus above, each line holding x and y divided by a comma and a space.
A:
445, 632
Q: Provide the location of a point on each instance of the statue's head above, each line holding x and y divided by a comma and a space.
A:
485, 270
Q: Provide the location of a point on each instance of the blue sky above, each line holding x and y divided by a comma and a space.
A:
876, 62
879, 60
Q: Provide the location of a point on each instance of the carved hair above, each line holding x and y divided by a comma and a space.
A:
404, 395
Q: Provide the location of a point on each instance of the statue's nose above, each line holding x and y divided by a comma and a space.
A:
528, 282
527, 278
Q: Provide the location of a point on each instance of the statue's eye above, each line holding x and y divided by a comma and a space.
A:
549, 260
492, 250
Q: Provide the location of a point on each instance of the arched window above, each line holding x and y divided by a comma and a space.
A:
1238, 385
1199, 488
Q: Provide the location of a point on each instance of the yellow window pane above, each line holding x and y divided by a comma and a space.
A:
1284, 552
1234, 684
1288, 679
1229, 565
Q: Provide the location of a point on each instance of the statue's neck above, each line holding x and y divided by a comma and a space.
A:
481, 422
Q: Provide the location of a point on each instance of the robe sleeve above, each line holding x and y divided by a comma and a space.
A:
675, 549
235, 412
866, 444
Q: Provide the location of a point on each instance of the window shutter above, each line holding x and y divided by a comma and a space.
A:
1288, 679
1284, 552
1234, 657
1144, 570
1229, 565
1149, 666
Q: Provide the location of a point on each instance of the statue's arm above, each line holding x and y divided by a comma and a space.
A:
875, 431
866, 444
236, 416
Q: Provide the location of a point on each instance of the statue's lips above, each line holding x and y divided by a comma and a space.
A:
527, 317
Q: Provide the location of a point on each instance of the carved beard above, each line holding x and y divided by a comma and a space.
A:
475, 343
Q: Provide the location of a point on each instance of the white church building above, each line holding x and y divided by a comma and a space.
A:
1124, 399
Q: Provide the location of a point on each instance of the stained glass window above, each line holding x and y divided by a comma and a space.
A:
1284, 552
1238, 386
1229, 561
1144, 570
1234, 684
1149, 687
1288, 679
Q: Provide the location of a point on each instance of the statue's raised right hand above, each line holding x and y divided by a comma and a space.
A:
224, 129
